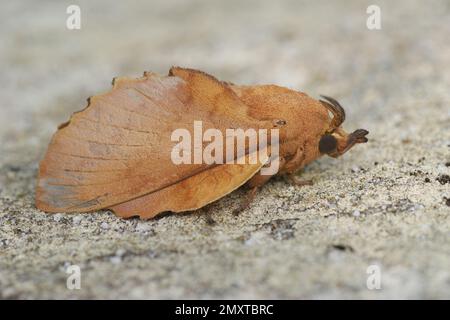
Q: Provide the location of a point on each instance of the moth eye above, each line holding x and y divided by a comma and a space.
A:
327, 144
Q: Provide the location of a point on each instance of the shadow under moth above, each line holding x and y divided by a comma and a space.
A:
117, 153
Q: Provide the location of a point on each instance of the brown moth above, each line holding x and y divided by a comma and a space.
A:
116, 153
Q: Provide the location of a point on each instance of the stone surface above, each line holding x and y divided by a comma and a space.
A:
384, 203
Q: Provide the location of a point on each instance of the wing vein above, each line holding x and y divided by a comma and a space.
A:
114, 126
130, 111
87, 157
94, 184
107, 144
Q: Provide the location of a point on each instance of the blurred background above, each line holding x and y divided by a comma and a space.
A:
321, 48
394, 82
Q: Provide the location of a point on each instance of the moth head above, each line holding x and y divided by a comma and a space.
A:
335, 141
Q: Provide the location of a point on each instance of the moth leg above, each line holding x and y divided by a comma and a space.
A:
299, 182
257, 181
293, 166
245, 204
295, 163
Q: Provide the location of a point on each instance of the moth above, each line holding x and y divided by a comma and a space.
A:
116, 153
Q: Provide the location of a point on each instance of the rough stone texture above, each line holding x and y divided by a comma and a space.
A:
380, 204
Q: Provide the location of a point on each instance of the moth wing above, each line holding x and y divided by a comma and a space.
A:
119, 147
192, 193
